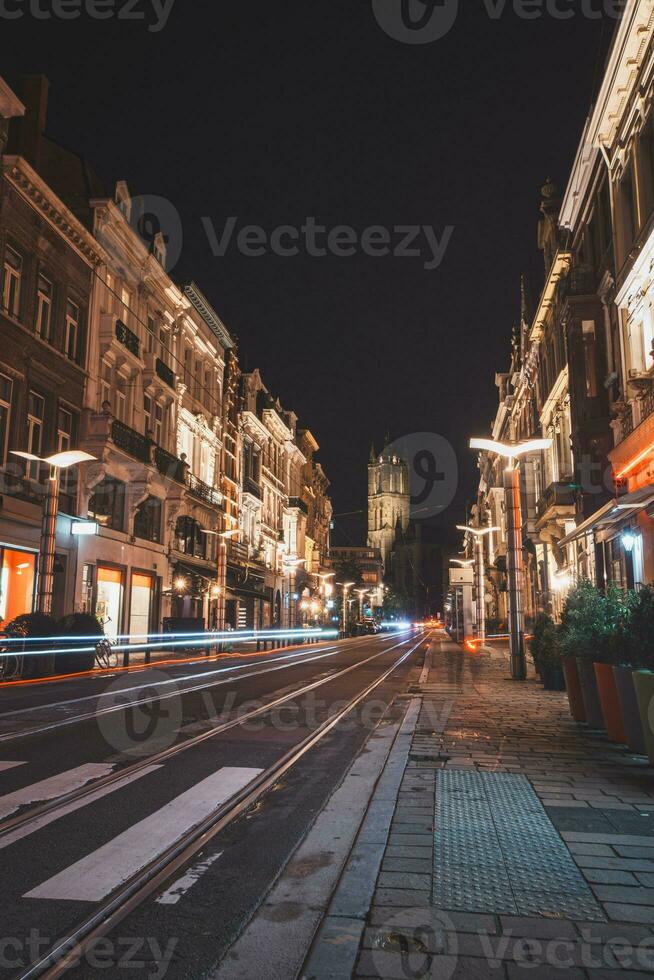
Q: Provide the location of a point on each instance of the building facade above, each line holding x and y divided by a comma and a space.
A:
389, 503
204, 504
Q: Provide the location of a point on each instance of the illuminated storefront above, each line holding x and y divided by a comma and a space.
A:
17, 582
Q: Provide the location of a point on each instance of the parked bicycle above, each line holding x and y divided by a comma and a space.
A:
11, 664
105, 655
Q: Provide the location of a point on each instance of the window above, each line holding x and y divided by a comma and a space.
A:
121, 399
190, 539
150, 339
105, 384
66, 435
147, 520
6, 388
590, 358
43, 307
158, 425
35, 417
106, 505
72, 331
11, 281
147, 415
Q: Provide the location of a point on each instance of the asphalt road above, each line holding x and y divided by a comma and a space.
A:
61, 866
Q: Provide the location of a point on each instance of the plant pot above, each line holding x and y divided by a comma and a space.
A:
633, 728
552, 677
589, 692
644, 685
573, 687
610, 703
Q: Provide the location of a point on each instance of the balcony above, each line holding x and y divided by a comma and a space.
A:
252, 487
558, 500
169, 465
203, 491
296, 503
581, 281
131, 441
166, 374
127, 338
238, 552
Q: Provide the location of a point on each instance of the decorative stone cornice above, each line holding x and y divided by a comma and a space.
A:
17, 171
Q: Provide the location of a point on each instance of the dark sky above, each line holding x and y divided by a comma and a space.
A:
272, 112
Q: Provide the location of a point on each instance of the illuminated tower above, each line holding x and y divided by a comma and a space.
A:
389, 502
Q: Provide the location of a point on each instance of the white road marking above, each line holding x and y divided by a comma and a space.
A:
66, 808
102, 871
9, 765
180, 887
54, 786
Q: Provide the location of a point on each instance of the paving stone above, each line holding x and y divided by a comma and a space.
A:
535, 928
406, 879
618, 893
393, 965
401, 897
433, 917
516, 971
598, 850
406, 851
629, 913
419, 866
616, 863
602, 876
335, 955
646, 879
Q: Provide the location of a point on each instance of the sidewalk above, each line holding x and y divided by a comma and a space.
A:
519, 844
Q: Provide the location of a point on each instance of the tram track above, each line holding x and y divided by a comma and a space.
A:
66, 952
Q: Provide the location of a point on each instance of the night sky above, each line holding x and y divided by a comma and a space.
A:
273, 112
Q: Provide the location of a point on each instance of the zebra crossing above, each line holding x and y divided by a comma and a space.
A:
97, 874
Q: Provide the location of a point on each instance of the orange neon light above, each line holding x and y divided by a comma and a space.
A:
634, 462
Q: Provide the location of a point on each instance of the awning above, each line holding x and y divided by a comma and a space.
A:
612, 513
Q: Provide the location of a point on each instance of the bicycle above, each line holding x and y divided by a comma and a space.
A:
105, 655
11, 665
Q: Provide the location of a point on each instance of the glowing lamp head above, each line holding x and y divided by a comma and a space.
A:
628, 541
180, 583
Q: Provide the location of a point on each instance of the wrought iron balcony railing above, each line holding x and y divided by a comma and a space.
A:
203, 491
251, 486
131, 441
169, 465
558, 494
127, 338
166, 374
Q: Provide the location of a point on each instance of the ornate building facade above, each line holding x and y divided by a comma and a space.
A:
389, 503
208, 504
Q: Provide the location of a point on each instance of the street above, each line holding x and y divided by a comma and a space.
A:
85, 808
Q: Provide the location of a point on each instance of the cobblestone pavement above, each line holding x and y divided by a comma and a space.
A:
521, 844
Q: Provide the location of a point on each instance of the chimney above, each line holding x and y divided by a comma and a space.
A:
34, 92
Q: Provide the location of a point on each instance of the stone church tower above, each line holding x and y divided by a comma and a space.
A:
389, 502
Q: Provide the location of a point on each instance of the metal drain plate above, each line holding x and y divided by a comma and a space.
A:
497, 851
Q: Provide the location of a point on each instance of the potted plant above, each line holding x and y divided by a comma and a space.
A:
546, 651
37, 658
639, 654
82, 632
584, 637
616, 618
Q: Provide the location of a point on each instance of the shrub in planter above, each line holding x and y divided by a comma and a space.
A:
586, 635
638, 654
34, 625
82, 625
546, 651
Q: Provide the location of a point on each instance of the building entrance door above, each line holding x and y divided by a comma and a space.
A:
141, 604
109, 602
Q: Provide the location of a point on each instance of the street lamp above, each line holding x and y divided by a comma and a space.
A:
480, 574
58, 462
511, 452
219, 590
345, 586
361, 593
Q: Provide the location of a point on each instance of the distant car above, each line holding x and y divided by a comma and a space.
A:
366, 628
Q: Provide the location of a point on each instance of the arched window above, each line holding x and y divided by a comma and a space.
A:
147, 520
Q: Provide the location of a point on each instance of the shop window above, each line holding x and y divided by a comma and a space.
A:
6, 390
44, 293
147, 520
17, 579
109, 601
141, 604
107, 504
12, 277
35, 418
